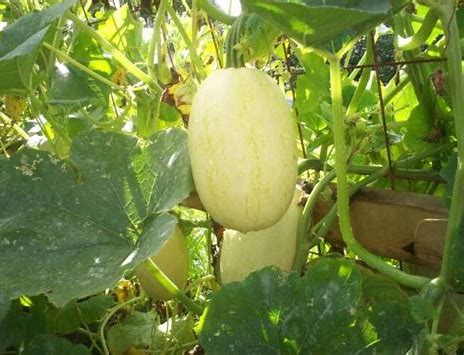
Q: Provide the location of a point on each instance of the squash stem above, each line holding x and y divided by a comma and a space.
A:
456, 214
215, 12
155, 38
304, 222
63, 56
343, 192
198, 65
363, 80
117, 55
172, 289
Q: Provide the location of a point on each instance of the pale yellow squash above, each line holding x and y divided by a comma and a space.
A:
173, 260
242, 149
243, 253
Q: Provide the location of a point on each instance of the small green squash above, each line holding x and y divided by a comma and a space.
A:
173, 260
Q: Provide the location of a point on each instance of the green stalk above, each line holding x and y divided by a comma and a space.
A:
323, 226
215, 12
55, 44
117, 55
354, 73
342, 188
363, 80
233, 58
421, 36
200, 70
456, 213
194, 16
409, 174
172, 289
155, 38
209, 245
321, 229
37, 106
15, 126
419, 74
390, 94
63, 56
303, 242
112, 311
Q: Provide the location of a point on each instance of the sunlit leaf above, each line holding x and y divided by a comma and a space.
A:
327, 25
327, 311
68, 230
19, 43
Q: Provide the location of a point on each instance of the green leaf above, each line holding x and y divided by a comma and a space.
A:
72, 87
4, 306
123, 31
404, 102
22, 324
168, 113
66, 319
19, 44
324, 312
418, 129
135, 331
422, 309
368, 98
322, 24
53, 345
95, 308
68, 230
312, 89
390, 305
173, 333
88, 52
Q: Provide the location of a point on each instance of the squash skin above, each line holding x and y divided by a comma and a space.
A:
173, 260
242, 147
243, 253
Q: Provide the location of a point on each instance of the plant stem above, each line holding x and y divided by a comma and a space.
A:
390, 94
155, 38
456, 213
303, 242
408, 174
200, 70
112, 311
421, 36
215, 12
55, 44
79, 66
15, 126
323, 226
419, 74
117, 55
172, 289
38, 107
234, 59
363, 80
209, 245
342, 187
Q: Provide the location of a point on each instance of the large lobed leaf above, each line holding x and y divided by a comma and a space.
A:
68, 230
324, 24
336, 308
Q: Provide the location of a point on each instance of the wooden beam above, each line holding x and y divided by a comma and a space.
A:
400, 225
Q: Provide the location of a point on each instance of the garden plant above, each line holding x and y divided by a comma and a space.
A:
173, 177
